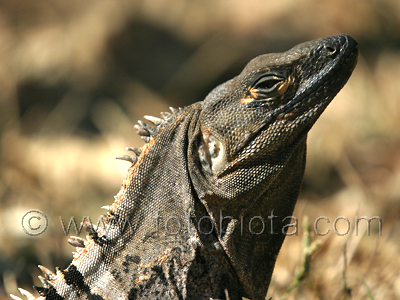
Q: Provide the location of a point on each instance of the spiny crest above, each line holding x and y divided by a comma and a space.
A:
147, 133
25, 293
43, 291
76, 241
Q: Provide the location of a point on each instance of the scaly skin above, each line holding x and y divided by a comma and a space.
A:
192, 218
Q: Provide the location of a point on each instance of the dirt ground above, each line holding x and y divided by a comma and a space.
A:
75, 76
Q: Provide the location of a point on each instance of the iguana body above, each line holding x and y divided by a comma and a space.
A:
193, 217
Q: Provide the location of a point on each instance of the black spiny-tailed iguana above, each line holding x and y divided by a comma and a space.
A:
191, 218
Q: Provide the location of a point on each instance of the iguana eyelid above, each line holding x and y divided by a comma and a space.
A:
268, 83
279, 86
285, 84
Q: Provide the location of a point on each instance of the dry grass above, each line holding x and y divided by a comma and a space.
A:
76, 75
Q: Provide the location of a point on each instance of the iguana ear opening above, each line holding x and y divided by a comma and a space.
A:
212, 153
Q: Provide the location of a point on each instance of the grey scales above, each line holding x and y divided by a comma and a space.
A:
179, 226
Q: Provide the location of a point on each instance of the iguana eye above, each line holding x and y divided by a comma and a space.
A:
268, 83
267, 88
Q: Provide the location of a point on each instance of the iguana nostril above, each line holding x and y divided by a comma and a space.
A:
330, 51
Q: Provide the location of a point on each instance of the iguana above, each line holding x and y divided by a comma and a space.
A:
204, 208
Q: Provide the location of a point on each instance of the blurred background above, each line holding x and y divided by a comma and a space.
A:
76, 75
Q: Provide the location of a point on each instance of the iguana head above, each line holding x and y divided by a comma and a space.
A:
252, 148
275, 99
